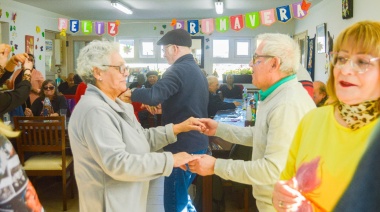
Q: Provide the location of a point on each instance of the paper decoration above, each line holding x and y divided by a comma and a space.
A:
62, 26
305, 6
252, 20
283, 13
74, 26
193, 26
87, 27
14, 16
237, 22
267, 17
7, 14
180, 24
38, 29
222, 24
173, 23
113, 28
99, 27
204, 26
207, 26
297, 10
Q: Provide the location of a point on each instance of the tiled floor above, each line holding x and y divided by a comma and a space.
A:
50, 192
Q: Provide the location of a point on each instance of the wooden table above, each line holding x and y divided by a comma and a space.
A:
234, 117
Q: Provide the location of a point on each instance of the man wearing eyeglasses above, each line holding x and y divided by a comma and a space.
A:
283, 103
182, 92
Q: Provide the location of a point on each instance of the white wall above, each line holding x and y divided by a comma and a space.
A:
330, 12
27, 19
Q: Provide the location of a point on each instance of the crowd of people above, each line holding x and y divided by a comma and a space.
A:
311, 151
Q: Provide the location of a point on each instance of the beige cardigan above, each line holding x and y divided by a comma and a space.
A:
277, 120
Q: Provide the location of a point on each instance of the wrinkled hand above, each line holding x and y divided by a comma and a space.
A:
286, 197
126, 96
152, 109
211, 126
15, 59
182, 158
203, 166
188, 125
5, 49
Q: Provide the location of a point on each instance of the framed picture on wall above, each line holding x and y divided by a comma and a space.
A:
347, 9
29, 44
321, 38
310, 57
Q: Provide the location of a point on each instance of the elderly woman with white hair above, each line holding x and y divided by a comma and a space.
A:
114, 156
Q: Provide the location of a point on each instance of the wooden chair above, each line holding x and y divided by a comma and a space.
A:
45, 138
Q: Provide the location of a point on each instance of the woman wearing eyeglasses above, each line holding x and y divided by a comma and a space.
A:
48, 89
114, 155
331, 140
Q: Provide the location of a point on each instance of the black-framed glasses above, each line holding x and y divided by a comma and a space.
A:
254, 58
122, 69
46, 88
360, 63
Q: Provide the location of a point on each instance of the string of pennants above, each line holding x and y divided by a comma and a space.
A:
206, 26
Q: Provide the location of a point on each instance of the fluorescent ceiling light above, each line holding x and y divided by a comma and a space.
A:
219, 7
121, 7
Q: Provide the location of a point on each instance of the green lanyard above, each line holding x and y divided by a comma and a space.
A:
265, 94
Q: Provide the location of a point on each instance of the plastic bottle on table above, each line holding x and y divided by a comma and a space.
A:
47, 109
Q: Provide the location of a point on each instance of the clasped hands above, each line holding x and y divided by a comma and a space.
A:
5, 49
201, 164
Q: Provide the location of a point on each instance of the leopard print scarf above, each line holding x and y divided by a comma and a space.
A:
357, 116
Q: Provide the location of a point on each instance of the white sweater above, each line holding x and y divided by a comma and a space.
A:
276, 122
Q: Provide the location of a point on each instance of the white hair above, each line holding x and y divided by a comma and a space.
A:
283, 47
95, 54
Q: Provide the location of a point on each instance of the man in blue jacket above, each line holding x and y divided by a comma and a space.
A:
182, 92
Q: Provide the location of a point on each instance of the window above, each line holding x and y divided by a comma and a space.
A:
127, 48
147, 49
220, 48
242, 48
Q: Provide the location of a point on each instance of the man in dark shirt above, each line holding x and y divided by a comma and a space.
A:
68, 87
215, 102
183, 93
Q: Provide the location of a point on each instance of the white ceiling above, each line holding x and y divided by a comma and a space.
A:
154, 9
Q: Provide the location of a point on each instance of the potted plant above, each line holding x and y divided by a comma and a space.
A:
240, 75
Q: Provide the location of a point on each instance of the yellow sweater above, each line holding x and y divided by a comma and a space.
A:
339, 149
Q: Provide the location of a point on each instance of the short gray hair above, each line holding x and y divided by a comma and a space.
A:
211, 79
283, 47
95, 54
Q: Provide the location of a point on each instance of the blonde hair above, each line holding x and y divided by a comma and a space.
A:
363, 37
7, 131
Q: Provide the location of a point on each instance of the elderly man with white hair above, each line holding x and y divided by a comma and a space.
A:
283, 103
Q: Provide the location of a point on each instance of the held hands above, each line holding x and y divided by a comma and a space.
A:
188, 125
287, 198
210, 126
182, 158
203, 166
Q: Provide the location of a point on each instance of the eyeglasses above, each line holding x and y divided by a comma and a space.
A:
254, 58
49, 88
360, 62
122, 69
166, 47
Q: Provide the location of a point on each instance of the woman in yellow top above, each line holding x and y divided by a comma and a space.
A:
331, 140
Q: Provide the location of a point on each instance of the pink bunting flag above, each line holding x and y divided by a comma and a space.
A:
267, 17
207, 26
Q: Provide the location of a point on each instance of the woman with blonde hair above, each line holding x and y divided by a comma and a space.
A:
331, 140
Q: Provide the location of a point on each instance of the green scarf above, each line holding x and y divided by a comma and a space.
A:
265, 94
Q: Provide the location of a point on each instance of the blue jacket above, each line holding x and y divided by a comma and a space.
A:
182, 92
